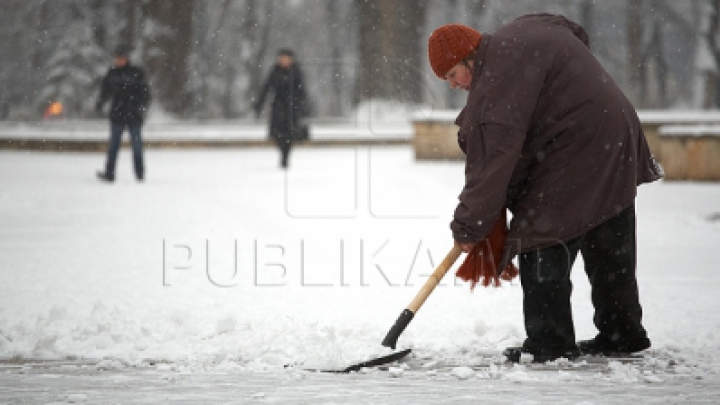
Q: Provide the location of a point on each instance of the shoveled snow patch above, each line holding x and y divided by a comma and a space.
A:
491, 372
651, 378
462, 373
626, 373
226, 324
109, 364
568, 376
526, 358
88, 282
519, 373
429, 364
396, 371
74, 398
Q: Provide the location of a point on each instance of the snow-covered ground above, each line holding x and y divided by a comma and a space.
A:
222, 269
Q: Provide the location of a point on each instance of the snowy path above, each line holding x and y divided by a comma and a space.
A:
224, 268
87, 385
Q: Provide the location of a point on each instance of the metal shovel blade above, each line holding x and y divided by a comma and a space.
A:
377, 362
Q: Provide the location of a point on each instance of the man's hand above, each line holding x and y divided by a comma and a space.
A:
467, 247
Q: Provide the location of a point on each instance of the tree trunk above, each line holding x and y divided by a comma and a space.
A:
476, 10
634, 50
657, 54
587, 18
409, 48
712, 82
167, 52
257, 34
390, 51
367, 85
336, 67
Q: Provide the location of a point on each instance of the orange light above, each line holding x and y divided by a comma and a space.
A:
54, 109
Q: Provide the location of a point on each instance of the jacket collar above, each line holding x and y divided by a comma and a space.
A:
480, 58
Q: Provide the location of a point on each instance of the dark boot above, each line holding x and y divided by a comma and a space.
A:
109, 178
601, 346
513, 354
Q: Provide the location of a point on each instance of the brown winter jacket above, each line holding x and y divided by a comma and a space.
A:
549, 135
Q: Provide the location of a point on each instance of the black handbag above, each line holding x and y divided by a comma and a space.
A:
301, 133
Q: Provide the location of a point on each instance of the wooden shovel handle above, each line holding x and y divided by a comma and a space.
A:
435, 278
407, 315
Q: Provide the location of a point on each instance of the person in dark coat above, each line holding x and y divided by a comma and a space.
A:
125, 84
289, 104
550, 136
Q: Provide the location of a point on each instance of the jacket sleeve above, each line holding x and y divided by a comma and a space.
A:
260, 101
492, 154
105, 92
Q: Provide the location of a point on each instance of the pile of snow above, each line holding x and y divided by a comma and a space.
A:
220, 259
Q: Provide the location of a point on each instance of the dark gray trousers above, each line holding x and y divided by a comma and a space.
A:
609, 252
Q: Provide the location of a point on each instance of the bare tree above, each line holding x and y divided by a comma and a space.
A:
335, 29
231, 39
635, 30
22, 35
256, 42
167, 41
587, 17
76, 64
654, 93
712, 78
207, 58
390, 52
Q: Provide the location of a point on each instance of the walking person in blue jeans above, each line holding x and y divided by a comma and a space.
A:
125, 84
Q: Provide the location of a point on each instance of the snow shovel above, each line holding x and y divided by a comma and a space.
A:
407, 315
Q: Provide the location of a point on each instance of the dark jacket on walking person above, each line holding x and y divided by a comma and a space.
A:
125, 85
289, 105
550, 136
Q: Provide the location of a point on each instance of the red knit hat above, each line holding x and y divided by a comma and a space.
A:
449, 44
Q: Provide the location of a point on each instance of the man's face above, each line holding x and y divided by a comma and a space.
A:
120, 61
460, 76
285, 60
